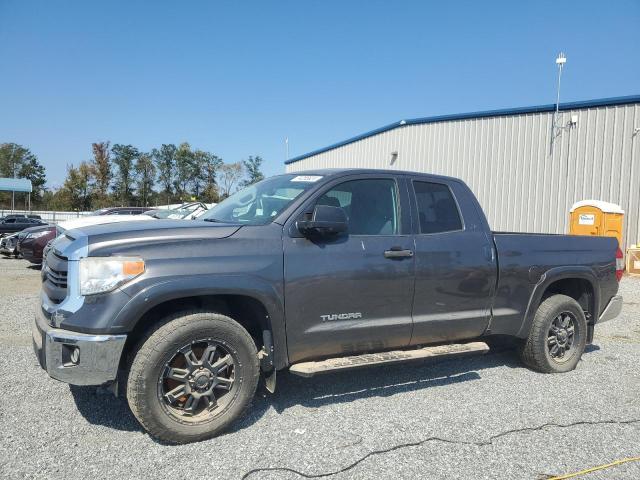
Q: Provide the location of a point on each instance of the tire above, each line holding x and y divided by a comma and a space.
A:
208, 397
548, 332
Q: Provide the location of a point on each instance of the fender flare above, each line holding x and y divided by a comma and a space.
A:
553, 275
186, 286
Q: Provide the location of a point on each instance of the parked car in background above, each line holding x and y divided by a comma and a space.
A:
31, 242
186, 211
8, 245
121, 211
17, 224
19, 215
97, 220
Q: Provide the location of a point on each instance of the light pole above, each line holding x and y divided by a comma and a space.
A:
560, 61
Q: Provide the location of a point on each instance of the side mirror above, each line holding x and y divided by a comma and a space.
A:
325, 221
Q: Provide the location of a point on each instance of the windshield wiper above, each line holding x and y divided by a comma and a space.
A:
214, 220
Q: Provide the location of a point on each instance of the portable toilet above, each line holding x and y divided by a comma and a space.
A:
595, 217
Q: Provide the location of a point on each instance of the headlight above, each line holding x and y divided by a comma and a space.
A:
103, 274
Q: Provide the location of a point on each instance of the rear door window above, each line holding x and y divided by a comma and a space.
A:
437, 208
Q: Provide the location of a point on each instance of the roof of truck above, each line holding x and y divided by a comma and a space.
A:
325, 172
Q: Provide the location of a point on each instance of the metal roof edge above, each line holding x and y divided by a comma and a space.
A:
602, 102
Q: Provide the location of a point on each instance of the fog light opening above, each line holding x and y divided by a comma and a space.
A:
70, 355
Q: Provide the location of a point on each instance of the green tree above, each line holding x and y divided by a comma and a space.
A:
102, 172
184, 169
200, 166
211, 193
18, 161
76, 189
165, 162
146, 173
252, 166
124, 157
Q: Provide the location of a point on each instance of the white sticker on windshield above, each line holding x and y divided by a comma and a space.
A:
306, 178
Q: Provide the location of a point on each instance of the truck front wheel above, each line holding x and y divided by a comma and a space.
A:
192, 376
558, 336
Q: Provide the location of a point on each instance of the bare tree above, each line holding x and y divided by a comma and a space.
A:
230, 176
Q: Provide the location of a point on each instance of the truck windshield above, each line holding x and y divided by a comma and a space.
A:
260, 203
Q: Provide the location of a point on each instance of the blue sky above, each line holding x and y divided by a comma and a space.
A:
236, 78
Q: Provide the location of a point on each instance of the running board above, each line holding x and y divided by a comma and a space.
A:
309, 369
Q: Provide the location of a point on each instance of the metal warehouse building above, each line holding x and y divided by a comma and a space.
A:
526, 169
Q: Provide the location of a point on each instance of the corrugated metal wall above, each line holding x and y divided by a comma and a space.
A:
522, 183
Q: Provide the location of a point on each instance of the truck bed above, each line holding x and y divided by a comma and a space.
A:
524, 259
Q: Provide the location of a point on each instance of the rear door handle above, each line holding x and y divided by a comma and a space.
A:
398, 252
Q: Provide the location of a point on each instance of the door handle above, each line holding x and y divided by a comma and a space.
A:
397, 252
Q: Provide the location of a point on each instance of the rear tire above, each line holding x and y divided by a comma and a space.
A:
557, 337
193, 375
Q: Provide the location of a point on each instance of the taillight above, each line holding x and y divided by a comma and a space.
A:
619, 264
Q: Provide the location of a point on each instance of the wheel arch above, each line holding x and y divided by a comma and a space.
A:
257, 309
579, 283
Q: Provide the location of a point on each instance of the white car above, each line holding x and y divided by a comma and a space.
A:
98, 220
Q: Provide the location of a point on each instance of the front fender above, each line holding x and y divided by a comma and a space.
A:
550, 276
186, 286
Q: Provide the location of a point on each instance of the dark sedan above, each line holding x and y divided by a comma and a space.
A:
31, 242
17, 224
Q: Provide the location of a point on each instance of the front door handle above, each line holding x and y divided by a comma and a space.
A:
398, 252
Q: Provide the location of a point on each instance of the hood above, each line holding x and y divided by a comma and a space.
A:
123, 235
99, 220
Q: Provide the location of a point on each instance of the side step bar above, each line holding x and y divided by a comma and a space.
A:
309, 369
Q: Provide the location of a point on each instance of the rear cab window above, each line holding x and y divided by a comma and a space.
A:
437, 208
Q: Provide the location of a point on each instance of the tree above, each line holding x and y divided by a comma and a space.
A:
210, 193
203, 166
230, 175
184, 169
124, 157
252, 166
146, 173
77, 187
18, 161
101, 165
32, 170
165, 161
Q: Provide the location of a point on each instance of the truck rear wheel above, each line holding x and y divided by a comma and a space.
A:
558, 336
193, 375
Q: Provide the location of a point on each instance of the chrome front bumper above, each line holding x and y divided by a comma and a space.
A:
612, 310
94, 363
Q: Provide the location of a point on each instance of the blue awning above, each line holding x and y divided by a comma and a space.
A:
15, 185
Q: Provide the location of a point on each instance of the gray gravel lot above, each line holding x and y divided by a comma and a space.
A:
481, 417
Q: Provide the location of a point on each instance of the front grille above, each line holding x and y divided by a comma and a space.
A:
59, 279
54, 277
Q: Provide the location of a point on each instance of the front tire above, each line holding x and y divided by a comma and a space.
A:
558, 336
192, 376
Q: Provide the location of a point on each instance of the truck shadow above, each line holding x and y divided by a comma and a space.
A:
101, 408
380, 381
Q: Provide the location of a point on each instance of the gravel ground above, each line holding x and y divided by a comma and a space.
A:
481, 417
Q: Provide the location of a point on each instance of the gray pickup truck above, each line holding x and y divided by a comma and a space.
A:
320, 271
